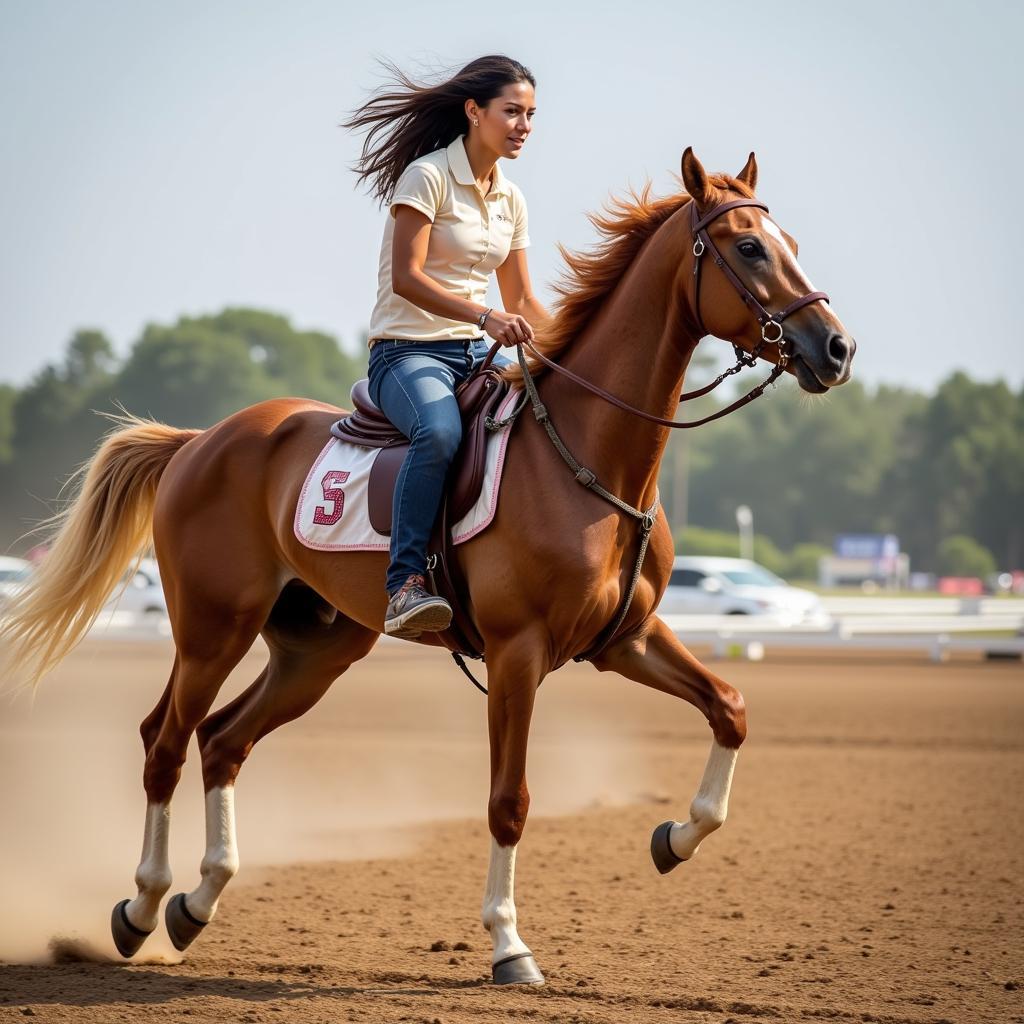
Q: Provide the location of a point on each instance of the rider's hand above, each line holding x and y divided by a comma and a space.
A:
508, 328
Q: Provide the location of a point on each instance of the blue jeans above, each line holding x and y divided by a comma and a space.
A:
414, 383
479, 348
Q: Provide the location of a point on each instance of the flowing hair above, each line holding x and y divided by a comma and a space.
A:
406, 123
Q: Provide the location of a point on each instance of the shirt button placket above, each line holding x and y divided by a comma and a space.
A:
485, 224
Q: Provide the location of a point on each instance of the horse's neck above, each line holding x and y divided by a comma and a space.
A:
637, 348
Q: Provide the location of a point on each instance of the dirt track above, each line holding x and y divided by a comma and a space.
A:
870, 869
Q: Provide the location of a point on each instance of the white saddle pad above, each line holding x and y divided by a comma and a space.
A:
332, 512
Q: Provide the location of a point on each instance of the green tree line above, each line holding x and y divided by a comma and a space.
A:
190, 374
945, 471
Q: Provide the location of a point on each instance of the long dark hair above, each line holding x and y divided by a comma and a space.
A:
421, 118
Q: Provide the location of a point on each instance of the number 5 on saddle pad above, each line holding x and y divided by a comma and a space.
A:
339, 510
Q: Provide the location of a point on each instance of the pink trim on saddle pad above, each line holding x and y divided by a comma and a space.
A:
332, 512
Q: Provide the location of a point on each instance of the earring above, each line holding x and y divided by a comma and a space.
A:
477, 123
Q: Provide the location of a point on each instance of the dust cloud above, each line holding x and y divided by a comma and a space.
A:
399, 741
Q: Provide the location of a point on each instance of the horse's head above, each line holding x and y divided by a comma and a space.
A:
759, 298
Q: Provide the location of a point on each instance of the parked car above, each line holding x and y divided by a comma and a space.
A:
736, 586
13, 574
143, 594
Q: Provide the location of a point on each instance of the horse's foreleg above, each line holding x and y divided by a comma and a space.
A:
513, 677
653, 656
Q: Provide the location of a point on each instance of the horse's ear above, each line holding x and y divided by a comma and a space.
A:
696, 180
749, 173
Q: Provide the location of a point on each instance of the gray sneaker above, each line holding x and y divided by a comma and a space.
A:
412, 611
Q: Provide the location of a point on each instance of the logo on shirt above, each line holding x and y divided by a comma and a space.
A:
502, 216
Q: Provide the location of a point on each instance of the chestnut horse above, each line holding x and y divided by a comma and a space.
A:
546, 577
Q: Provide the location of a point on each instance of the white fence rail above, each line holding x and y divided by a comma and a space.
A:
922, 625
906, 606
934, 626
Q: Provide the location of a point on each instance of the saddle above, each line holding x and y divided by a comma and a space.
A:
479, 397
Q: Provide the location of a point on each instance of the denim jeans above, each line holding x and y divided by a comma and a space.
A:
414, 383
479, 348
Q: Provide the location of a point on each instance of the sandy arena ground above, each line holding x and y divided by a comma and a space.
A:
870, 869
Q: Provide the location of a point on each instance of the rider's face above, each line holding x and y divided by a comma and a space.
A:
507, 120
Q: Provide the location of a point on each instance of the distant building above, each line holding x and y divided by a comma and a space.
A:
865, 559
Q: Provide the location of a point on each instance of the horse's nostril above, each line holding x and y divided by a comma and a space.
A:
838, 348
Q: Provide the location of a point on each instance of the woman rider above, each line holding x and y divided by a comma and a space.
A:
453, 218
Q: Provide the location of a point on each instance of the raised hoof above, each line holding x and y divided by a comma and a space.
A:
519, 969
127, 937
664, 856
182, 927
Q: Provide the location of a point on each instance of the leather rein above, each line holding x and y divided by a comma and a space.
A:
772, 331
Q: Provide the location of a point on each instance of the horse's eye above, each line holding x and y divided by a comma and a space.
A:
750, 249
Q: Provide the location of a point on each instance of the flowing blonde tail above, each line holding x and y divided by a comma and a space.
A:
107, 526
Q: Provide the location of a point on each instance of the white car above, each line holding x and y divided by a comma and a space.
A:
143, 595
736, 586
13, 574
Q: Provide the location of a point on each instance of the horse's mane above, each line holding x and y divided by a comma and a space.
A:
590, 276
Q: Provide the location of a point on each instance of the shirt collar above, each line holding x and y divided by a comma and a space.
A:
458, 161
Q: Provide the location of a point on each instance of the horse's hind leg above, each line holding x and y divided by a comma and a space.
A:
209, 647
653, 656
303, 664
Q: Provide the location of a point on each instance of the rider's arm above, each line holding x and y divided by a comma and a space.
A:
408, 254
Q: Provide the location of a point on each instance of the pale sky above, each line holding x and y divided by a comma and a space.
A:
168, 159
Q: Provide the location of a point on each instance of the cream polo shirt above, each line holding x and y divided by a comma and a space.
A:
471, 234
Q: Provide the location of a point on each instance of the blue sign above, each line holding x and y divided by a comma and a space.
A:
867, 545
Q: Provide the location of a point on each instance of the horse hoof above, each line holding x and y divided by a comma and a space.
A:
519, 969
127, 937
662, 854
182, 927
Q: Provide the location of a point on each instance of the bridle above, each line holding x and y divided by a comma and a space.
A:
703, 242
772, 331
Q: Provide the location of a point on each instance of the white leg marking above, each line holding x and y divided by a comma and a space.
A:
220, 862
499, 910
153, 876
710, 805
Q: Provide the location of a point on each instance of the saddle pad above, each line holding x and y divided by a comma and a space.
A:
332, 513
